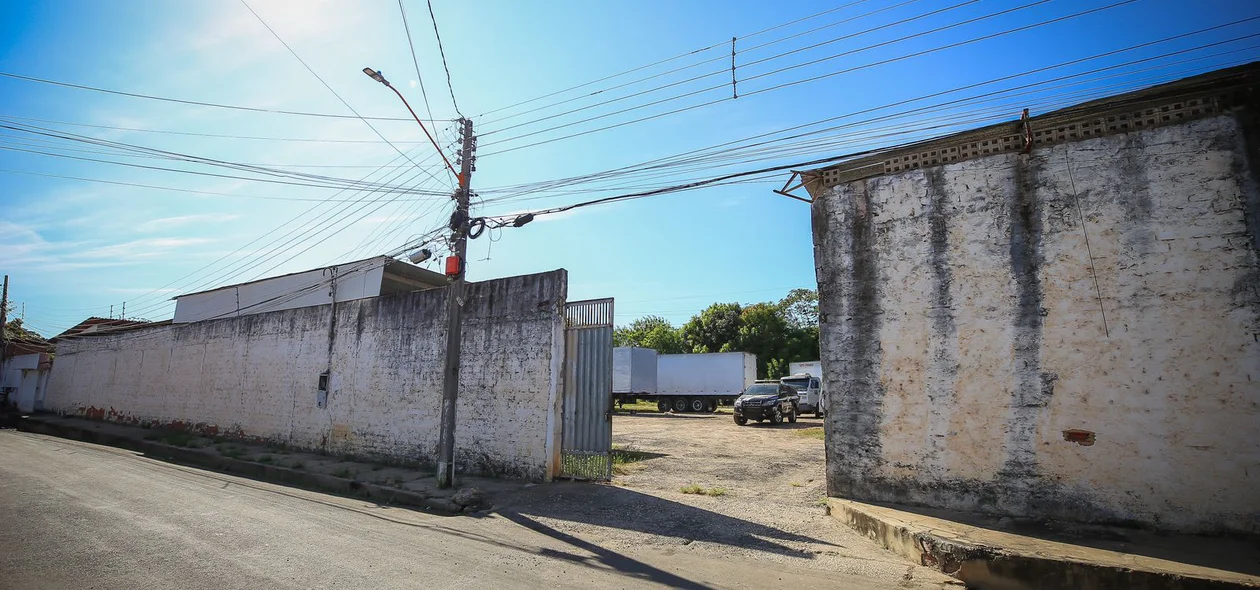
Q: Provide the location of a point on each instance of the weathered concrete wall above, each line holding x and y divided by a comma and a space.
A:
964, 344
257, 376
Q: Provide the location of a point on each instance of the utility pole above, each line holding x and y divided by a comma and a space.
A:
4, 309
454, 310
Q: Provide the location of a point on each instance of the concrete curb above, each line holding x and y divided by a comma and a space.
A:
995, 565
269, 473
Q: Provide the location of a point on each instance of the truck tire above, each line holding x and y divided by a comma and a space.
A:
697, 405
777, 417
791, 417
740, 420
680, 405
662, 406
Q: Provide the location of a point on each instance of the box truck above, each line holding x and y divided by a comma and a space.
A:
683, 382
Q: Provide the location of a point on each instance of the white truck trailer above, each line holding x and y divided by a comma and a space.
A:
634, 372
681, 382
700, 382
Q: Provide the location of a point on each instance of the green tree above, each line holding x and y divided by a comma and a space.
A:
14, 330
650, 332
764, 332
800, 308
715, 328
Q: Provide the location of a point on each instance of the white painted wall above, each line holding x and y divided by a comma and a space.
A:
963, 336
22, 374
354, 280
257, 376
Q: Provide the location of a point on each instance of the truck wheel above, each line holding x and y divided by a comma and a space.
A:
740, 420
662, 406
680, 404
792, 416
777, 418
697, 404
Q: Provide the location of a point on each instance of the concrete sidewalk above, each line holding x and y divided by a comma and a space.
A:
991, 553
386, 484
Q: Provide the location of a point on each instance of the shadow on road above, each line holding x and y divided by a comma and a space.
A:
620, 508
624, 565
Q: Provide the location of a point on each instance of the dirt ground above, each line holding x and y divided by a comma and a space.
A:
769, 482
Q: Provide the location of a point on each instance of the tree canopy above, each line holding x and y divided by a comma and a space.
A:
777, 332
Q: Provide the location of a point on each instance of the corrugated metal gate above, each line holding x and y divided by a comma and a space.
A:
586, 444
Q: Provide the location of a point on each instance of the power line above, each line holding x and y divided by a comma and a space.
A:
442, 52
193, 102
195, 134
720, 58
759, 91
326, 85
183, 190
669, 59
415, 60
128, 148
748, 79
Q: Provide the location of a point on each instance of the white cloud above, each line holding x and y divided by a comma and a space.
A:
163, 223
136, 249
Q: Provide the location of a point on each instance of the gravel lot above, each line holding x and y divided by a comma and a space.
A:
771, 481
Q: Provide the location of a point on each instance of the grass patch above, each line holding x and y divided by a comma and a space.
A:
343, 472
231, 452
623, 458
638, 406
797, 484
297, 465
177, 439
692, 488
377, 467
264, 459
816, 432
821, 502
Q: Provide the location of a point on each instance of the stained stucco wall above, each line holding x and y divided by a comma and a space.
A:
257, 376
963, 336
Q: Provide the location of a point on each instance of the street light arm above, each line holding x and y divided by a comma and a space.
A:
458, 176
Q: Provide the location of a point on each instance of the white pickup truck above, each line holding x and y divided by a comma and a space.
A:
806, 378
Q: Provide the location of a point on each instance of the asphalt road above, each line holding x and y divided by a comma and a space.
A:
78, 515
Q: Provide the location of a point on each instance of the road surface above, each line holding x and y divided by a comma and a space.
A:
78, 515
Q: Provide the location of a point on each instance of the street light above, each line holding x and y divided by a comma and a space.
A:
375, 75
379, 77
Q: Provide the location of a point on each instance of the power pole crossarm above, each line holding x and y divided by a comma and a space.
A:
454, 312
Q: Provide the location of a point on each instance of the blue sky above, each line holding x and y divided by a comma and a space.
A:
73, 247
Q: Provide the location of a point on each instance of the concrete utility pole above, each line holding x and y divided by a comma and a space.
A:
454, 311
4, 309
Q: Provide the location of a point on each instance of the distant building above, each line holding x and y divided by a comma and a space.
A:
1054, 319
371, 277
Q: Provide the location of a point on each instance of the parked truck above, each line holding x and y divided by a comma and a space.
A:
806, 378
683, 382
634, 373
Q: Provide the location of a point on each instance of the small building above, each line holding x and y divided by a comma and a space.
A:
1056, 317
360, 279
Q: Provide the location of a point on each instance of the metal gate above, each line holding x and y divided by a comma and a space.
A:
586, 443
